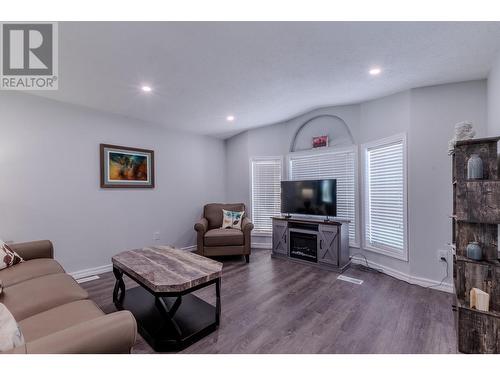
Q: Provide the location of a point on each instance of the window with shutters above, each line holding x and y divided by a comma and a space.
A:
340, 164
265, 194
385, 202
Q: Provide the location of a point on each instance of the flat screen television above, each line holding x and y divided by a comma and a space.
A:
309, 197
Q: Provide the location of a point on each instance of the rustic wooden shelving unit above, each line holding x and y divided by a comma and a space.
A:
476, 215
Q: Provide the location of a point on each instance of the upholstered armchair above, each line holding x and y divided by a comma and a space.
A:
214, 241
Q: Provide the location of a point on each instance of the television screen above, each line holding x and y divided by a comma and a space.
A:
309, 197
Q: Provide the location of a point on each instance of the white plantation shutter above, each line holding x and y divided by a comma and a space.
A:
340, 165
266, 186
385, 197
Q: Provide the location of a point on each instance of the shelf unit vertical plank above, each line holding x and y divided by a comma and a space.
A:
476, 215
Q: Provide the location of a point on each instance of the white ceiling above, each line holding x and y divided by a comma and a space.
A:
261, 73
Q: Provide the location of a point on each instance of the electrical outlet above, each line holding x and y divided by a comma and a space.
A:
442, 254
156, 236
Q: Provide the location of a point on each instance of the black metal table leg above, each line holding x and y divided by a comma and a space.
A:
175, 306
217, 302
119, 287
168, 314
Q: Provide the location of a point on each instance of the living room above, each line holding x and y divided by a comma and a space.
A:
249, 187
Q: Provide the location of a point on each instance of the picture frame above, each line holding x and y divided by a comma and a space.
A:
321, 141
126, 167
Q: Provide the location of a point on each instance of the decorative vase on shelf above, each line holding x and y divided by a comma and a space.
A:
474, 167
474, 251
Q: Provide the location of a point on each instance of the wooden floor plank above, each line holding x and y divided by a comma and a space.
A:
276, 306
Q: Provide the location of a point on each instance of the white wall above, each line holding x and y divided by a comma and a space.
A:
272, 140
427, 115
434, 112
494, 99
379, 119
49, 159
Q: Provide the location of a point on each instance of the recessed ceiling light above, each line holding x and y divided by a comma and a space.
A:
146, 88
375, 71
230, 118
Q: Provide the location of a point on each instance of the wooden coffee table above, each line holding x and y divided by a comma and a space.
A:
169, 318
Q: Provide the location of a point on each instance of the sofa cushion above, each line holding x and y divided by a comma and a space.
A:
29, 270
10, 334
223, 237
41, 294
213, 212
108, 334
59, 318
8, 257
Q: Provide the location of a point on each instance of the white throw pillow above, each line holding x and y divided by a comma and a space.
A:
10, 334
232, 219
8, 257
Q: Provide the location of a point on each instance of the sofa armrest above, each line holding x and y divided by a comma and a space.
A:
34, 249
246, 225
109, 334
201, 225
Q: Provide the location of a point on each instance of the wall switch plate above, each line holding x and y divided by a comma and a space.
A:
442, 254
156, 236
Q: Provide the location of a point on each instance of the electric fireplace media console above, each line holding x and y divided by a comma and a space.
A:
318, 242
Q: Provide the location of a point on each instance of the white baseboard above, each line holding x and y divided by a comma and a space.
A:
108, 267
433, 284
92, 271
257, 245
261, 245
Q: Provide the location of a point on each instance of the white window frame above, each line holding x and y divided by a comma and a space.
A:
336, 150
385, 250
261, 158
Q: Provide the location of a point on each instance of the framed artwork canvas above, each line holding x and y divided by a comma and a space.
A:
321, 141
126, 167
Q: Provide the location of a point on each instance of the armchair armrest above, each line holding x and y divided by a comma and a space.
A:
108, 334
34, 249
201, 225
246, 225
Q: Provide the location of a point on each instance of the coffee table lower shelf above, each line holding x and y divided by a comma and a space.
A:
194, 317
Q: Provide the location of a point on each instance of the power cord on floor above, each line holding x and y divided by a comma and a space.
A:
444, 278
363, 267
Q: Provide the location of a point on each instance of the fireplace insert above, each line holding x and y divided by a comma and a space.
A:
304, 245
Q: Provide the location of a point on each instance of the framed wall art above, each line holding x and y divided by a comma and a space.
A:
126, 167
321, 141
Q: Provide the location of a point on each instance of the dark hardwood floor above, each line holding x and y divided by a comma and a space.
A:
278, 306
